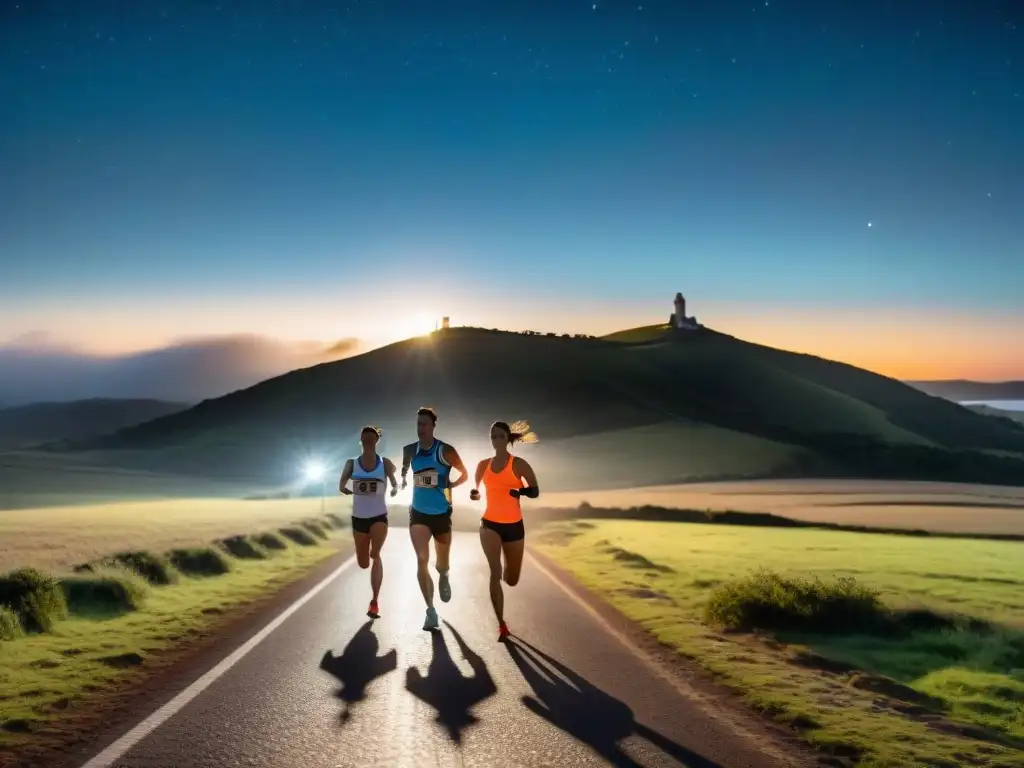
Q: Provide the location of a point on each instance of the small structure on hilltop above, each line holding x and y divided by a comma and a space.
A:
445, 323
678, 320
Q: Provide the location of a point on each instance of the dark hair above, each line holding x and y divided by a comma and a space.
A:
370, 428
425, 411
519, 432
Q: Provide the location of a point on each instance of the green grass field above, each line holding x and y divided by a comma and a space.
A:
938, 696
57, 538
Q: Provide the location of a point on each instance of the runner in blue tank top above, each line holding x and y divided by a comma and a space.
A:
431, 512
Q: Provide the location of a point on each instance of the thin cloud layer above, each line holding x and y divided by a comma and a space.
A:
34, 367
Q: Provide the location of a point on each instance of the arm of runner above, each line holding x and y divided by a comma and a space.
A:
526, 474
389, 470
346, 475
474, 495
406, 460
455, 462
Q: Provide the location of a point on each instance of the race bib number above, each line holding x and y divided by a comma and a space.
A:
426, 479
365, 487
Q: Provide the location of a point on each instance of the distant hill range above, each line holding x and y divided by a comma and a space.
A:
28, 425
962, 391
641, 407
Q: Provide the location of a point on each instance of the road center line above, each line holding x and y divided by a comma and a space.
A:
119, 748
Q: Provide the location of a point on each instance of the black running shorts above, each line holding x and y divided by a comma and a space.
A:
509, 532
439, 525
364, 524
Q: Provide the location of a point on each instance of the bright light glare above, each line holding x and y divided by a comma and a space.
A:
415, 324
314, 470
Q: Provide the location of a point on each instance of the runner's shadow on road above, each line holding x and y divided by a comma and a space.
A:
358, 666
446, 689
587, 713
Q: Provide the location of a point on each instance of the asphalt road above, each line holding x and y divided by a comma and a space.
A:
329, 688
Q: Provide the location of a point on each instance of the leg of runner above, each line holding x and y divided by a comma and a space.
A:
420, 535
442, 548
378, 533
513, 552
490, 541
362, 542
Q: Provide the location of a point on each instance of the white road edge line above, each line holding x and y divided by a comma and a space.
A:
119, 748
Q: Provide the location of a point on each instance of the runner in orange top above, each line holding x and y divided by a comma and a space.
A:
506, 478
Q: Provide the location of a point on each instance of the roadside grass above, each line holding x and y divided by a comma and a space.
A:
118, 622
930, 673
55, 539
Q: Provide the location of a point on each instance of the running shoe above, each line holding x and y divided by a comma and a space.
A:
444, 587
372, 611
503, 632
431, 621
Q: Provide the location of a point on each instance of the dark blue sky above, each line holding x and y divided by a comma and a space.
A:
309, 169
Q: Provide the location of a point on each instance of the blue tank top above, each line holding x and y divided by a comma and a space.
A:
430, 475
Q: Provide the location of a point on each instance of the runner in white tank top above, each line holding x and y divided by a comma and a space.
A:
369, 474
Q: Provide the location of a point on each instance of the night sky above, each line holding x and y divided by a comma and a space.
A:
844, 178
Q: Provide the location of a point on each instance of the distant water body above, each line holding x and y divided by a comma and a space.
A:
1006, 405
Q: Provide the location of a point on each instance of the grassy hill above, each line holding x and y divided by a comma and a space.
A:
962, 390
649, 407
998, 413
43, 422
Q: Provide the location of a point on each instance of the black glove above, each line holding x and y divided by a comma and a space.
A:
530, 492
514, 493
474, 495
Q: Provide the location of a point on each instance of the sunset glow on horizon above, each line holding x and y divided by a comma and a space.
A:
808, 177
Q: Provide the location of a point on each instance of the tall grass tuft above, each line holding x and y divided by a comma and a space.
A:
200, 561
10, 624
154, 568
244, 548
765, 600
105, 591
35, 597
299, 536
271, 541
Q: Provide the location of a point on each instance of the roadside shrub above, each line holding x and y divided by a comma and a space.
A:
765, 600
336, 521
105, 590
300, 536
200, 561
154, 568
35, 597
244, 548
315, 528
271, 541
10, 624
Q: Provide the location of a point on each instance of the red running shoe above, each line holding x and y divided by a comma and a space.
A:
503, 632
372, 612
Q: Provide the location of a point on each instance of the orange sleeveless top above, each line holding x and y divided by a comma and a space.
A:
502, 508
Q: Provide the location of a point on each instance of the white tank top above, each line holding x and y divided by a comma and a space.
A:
368, 489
